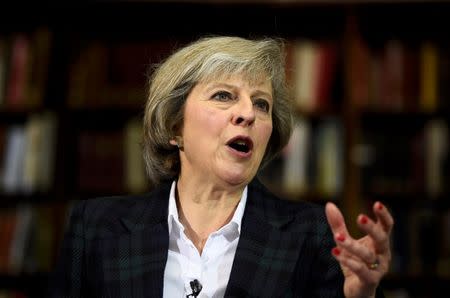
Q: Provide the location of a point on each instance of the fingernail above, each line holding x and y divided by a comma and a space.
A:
336, 251
363, 219
380, 206
340, 237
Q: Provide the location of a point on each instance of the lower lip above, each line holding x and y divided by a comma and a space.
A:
239, 153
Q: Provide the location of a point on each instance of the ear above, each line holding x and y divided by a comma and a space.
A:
177, 141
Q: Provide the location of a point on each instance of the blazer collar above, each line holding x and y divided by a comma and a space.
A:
148, 211
152, 208
267, 251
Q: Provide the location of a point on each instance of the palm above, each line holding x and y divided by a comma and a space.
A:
353, 285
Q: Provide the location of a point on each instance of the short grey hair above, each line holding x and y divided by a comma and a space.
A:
207, 59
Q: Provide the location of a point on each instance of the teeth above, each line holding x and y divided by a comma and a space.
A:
240, 142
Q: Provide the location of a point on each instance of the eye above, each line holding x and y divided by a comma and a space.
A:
262, 105
222, 96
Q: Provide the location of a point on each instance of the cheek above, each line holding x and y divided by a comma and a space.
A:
266, 132
203, 122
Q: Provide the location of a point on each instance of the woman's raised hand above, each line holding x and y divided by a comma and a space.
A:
366, 260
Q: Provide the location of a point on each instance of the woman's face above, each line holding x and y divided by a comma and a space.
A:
227, 125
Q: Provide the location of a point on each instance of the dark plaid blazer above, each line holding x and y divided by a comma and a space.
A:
117, 247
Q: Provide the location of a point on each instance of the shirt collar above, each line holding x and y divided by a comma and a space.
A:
172, 217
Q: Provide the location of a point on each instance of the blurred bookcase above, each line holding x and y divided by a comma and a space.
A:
370, 81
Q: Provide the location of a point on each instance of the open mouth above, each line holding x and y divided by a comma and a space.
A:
241, 144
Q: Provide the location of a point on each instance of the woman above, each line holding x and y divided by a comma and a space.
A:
216, 110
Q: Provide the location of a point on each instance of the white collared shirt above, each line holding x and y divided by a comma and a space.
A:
212, 268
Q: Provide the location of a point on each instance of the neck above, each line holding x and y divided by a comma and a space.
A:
205, 208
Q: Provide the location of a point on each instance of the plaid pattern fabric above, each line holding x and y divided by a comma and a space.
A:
117, 247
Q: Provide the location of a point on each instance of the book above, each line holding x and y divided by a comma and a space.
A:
411, 78
424, 234
329, 158
296, 161
32, 154
443, 265
3, 131
8, 222
444, 78
306, 73
87, 76
428, 99
20, 238
327, 64
436, 151
18, 71
13, 159
357, 66
101, 160
375, 81
39, 62
135, 175
3, 69
49, 127
40, 130
392, 77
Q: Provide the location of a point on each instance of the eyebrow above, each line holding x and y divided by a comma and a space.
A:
258, 92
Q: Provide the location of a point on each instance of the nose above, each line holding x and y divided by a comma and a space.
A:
244, 113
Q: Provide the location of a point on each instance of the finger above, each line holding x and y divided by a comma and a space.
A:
384, 216
375, 231
335, 219
370, 277
356, 249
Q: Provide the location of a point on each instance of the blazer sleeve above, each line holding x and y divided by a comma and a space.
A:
68, 278
327, 279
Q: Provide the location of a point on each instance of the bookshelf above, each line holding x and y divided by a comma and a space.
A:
373, 114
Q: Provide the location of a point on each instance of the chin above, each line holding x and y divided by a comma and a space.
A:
234, 178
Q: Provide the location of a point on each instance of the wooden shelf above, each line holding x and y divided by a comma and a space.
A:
418, 286
12, 200
33, 285
380, 20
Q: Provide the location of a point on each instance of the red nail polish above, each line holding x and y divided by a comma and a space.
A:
363, 219
340, 237
380, 206
336, 251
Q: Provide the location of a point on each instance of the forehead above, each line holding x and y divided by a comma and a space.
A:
262, 81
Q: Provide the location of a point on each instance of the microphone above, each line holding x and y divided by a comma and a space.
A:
196, 288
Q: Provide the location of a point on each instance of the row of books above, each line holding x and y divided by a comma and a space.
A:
107, 161
312, 162
24, 64
407, 160
12, 294
27, 155
30, 237
109, 74
111, 161
397, 75
421, 241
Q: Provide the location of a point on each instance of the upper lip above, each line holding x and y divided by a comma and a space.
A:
248, 141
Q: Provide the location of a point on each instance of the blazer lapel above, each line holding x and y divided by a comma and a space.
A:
140, 256
266, 254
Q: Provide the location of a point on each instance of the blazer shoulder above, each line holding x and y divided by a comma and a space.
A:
297, 212
106, 215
